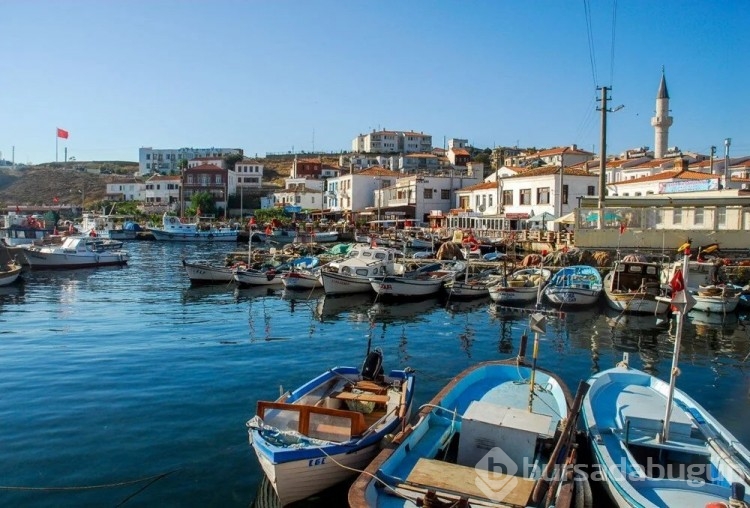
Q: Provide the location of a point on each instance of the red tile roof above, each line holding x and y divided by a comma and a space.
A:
459, 151
551, 170
480, 186
378, 171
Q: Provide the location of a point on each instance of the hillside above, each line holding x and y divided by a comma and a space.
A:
36, 185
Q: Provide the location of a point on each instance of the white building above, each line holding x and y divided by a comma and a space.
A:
523, 193
248, 174
167, 160
392, 142
359, 190
128, 189
306, 193
161, 191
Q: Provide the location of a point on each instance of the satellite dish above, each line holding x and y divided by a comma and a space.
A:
482, 208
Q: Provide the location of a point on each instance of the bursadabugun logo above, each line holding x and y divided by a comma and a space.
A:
495, 472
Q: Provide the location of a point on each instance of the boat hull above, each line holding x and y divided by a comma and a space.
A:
573, 297
198, 236
300, 281
339, 284
203, 273
396, 288
49, 260
718, 303
253, 278
9, 276
623, 417
510, 295
636, 303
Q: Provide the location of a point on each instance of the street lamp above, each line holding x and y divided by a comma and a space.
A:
727, 143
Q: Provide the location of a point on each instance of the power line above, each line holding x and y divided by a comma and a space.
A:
612, 50
590, 35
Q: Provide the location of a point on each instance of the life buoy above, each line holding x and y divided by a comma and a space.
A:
172, 220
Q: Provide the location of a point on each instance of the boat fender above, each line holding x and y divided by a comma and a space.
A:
583, 495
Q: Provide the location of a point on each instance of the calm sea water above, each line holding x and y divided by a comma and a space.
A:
130, 380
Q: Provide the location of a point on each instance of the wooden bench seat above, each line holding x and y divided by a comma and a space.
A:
461, 481
362, 397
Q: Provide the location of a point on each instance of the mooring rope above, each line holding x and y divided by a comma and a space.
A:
150, 479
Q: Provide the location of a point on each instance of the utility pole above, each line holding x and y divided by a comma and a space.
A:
711, 160
560, 192
602, 159
727, 142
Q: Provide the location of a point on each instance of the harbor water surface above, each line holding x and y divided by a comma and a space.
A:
126, 386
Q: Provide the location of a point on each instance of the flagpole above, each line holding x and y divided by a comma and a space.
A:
682, 310
56, 138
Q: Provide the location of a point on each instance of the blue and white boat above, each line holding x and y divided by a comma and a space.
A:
494, 416
317, 435
575, 286
694, 465
174, 230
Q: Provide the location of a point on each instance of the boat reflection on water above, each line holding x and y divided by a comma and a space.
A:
719, 334
467, 306
639, 334
13, 293
397, 312
353, 307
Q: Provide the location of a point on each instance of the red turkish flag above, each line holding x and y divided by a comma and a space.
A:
61, 133
678, 282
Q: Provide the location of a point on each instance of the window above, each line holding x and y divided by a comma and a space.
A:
508, 197
677, 216
721, 213
476, 201
542, 196
489, 201
427, 193
698, 220
218, 179
525, 196
590, 190
445, 194
565, 195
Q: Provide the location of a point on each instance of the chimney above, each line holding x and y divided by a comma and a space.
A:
681, 164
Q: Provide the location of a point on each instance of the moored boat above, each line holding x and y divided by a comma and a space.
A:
174, 230
9, 273
634, 285
76, 252
521, 287
352, 275
320, 433
203, 272
492, 417
424, 281
574, 286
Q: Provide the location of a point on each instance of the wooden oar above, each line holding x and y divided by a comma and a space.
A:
565, 438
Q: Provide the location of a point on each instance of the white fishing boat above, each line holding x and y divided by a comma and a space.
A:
574, 286
203, 272
424, 281
9, 273
75, 252
174, 230
330, 427
115, 227
20, 229
634, 285
302, 279
270, 274
352, 274
656, 446
520, 287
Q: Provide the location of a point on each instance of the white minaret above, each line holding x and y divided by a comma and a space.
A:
661, 121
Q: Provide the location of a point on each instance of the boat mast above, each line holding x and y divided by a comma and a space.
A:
683, 301
538, 323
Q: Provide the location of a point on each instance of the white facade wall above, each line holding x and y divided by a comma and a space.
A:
249, 174
166, 160
131, 191
161, 192
392, 142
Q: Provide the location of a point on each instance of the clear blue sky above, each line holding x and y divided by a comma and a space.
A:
275, 75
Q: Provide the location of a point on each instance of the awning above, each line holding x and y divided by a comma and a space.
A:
542, 217
568, 218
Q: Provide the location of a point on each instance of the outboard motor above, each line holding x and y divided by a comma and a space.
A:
372, 367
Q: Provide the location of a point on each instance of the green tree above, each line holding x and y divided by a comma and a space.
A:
231, 159
203, 201
267, 214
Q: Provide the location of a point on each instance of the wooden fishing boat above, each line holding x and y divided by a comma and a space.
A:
706, 282
9, 273
694, 465
203, 272
520, 287
634, 285
494, 416
302, 279
317, 435
656, 446
424, 281
574, 286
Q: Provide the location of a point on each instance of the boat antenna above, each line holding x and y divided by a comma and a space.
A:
683, 301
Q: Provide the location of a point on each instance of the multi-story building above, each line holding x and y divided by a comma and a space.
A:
392, 142
126, 189
161, 192
305, 193
248, 174
207, 178
167, 160
356, 191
